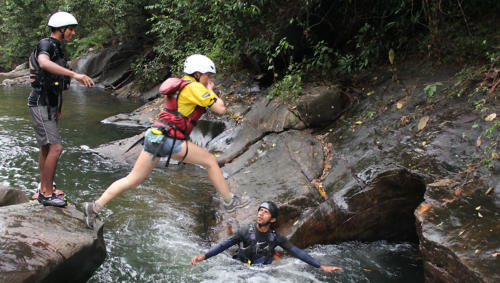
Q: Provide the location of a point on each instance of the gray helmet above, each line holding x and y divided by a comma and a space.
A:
271, 206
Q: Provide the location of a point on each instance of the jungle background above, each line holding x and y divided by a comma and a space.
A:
283, 43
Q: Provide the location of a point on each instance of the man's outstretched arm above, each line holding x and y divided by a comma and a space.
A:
305, 257
217, 249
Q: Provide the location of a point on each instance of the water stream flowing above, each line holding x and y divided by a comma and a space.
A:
152, 232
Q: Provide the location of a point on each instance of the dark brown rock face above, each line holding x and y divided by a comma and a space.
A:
381, 208
47, 244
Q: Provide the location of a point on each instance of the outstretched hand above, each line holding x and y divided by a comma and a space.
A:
197, 259
84, 80
330, 268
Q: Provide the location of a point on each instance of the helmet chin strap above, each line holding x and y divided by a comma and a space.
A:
197, 78
63, 40
268, 223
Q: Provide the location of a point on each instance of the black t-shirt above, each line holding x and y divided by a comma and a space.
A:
52, 48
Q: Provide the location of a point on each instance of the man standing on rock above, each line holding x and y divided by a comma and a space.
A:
258, 241
49, 76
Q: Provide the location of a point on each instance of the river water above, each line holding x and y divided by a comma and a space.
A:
152, 232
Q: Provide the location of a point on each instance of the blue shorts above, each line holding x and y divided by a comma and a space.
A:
152, 142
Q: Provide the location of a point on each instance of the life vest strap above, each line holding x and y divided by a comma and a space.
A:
164, 127
178, 114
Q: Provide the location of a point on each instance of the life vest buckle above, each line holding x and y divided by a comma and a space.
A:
156, 131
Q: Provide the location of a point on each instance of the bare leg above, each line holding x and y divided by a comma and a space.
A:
142, 168
44, 150
199, 155
48, 158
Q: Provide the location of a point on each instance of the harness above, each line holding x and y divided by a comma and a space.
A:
251, 253
171, 122
49, 84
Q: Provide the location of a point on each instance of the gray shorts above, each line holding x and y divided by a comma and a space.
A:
152, 142
46, 131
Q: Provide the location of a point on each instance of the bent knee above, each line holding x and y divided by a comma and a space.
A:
211, 161
56, 148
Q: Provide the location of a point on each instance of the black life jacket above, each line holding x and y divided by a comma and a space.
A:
43, 79
50, 85
254, 252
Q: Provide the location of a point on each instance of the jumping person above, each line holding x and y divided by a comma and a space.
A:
257, 242
49, 76
168, 137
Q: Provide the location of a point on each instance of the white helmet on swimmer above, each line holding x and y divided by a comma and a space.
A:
61, 19
198, 63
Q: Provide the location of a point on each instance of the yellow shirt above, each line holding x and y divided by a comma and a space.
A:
192, 95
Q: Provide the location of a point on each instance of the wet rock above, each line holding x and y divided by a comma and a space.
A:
17, 77
321, 105
378, 173
374, 205
264, 117
459, 236
201, 135
278, 168
117, 150
445, 148
110, 67
144, 116
11, 196
47, 244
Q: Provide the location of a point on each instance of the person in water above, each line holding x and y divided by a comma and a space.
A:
168, 136
49, 76
257, 242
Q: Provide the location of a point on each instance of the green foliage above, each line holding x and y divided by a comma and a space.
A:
431, 89
288, 88
492, 131
18, 31
24, 22
489, 151
321, 38
80, 46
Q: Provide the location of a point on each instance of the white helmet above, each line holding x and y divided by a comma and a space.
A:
61, 19
198, 63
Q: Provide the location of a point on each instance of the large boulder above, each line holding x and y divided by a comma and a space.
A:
47, 244
321, 105
11, 196
110, 67
265, 116
117, 150
17, 77
279, 168
377, 204
435, 148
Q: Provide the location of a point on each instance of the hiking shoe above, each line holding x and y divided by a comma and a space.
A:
236, 202
53, 200
58, 193
89, 214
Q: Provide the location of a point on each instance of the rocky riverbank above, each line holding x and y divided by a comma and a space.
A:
377, 159
360, 165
